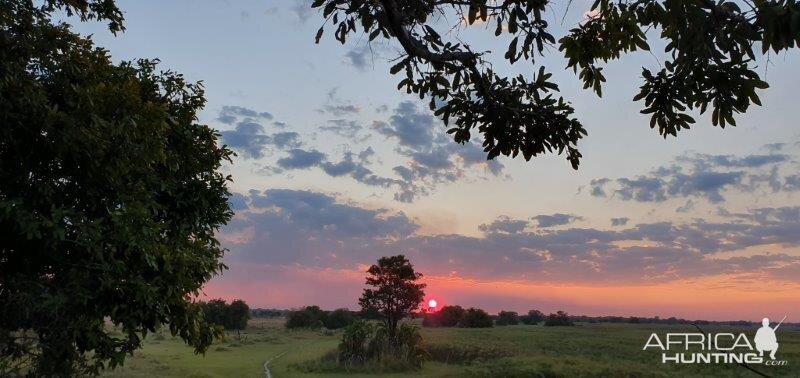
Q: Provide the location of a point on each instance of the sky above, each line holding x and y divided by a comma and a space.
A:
336, 168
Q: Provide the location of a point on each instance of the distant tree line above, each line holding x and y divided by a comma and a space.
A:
231, 316
315, 317
456, 316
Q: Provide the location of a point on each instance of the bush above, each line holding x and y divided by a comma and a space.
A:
560, 318
367, 347
507, 318
307, 317
448, 316
533, 317
476, 318
339, 318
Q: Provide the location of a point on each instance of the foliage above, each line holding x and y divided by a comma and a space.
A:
476, 318
110, 197
710, 61
560, 318
306, 317
237, 315
364, 342
507, 318
447, 316
395, 292
533, 317
339, 318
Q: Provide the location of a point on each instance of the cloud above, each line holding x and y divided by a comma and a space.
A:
230, 114
345, 128
504, 224
358, 58
301, 159
556, 219
702, 176
616, 222
411, 128
341, 109
248, 138
316, 230
302, 9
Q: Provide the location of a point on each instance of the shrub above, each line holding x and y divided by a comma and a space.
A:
367, 347
339, 318
507, 318
533, 317
448, 316
476, 318
307, 317
560, 318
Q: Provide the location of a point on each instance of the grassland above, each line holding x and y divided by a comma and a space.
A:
587, 350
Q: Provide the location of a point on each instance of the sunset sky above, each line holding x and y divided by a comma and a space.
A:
336, 168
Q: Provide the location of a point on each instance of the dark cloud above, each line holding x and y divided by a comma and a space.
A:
412, 128
301, 159
341, 109
504, 224
616, 222
230, 114
556, 219
247, 138
700, 176
311, 229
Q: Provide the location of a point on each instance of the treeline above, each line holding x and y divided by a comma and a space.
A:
315, 317
231, 316
456, 316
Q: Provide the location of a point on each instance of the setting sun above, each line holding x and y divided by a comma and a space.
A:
432, 303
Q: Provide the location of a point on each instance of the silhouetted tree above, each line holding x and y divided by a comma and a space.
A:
236, 315
507, 318
450, 316
306, 317
394, 291
110, 196
339, 318
710, 61
215, 311
533, 317
560, 318
476, 318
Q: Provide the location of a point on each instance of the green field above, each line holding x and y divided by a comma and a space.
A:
590, 350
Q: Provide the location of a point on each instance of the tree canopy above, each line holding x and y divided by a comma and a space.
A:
110, 197
394, 291
711, 49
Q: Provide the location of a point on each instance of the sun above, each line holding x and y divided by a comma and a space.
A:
432, 303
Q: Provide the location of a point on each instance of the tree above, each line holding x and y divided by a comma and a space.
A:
533, 317
560, 318
110, 197
507, 318
215, 311
447, 316
236, 315
306, 317
710, 61
339, 318
476, 318
395, 292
